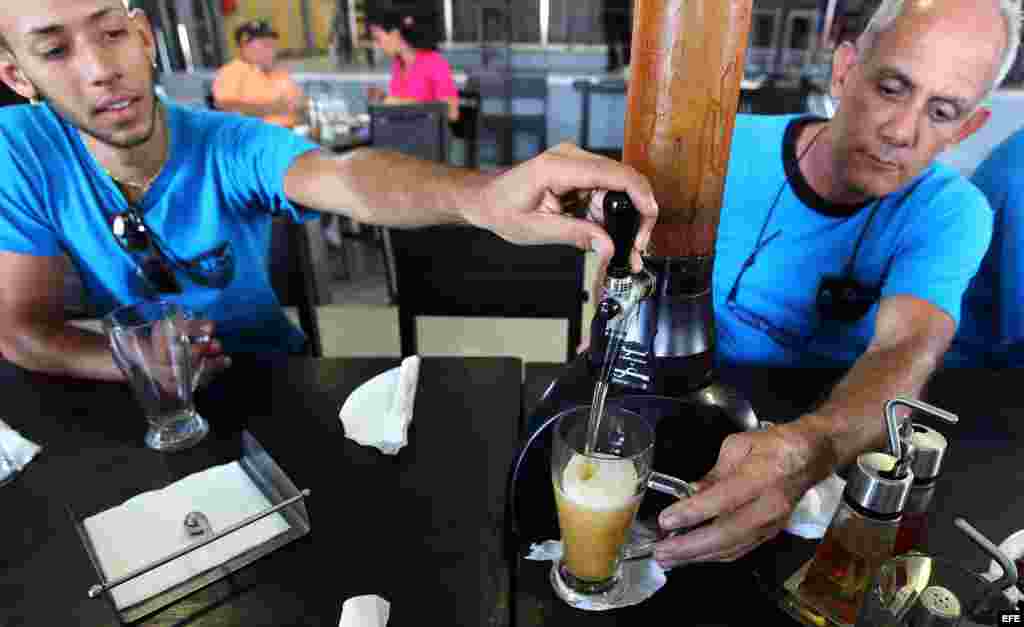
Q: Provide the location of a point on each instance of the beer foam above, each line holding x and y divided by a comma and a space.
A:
599, 483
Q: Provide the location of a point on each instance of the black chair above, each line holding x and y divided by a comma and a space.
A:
465, 271
587, 90
420, 130
294, 278
511, 106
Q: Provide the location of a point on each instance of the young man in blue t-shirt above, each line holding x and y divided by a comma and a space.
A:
151, 199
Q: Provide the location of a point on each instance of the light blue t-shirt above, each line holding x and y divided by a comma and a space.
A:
210, 212
926, 240
992, 330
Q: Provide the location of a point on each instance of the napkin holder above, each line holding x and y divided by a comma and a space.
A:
273, 483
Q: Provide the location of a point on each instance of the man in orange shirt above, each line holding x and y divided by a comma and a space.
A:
251, 85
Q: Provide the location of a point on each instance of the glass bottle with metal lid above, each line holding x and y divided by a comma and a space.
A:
929, 452
862, 534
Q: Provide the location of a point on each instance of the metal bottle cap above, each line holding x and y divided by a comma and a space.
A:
871, 486
930, 447
880, 482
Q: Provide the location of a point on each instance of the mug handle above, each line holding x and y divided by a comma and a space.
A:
665, 484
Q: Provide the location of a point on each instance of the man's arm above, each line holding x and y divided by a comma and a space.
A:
911, 337
33, 330
761, 476
520, 204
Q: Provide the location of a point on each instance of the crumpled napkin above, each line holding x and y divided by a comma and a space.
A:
378, 412
814, 512
641, 577
368, 610
15, 451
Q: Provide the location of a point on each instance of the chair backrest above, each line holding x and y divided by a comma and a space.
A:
420, 130
293, 276
465, 271
587, 90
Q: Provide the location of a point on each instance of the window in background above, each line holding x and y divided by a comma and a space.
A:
799, 42
765, 32
475, 21
577, 22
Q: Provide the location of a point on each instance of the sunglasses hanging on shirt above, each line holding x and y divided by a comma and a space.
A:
133, 236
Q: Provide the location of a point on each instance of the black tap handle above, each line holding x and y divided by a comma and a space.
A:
622, 221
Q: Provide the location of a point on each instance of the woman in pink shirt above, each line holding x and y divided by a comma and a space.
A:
418, 73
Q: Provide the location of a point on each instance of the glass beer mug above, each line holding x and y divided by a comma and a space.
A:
597, 495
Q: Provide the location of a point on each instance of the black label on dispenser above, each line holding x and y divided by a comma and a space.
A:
633, 368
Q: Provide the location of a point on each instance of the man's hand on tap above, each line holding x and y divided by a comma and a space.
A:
750, 494
557, 197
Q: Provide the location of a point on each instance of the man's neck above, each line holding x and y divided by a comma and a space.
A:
819, 168
135, 165
261, 68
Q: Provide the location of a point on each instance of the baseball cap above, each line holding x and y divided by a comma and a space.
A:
254, 29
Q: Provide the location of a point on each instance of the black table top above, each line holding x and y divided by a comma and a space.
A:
422, 529
981, 482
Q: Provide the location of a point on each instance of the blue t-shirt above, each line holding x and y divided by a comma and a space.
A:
992, 330
925, 240
210, 212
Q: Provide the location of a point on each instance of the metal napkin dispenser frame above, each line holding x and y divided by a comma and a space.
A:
272, 482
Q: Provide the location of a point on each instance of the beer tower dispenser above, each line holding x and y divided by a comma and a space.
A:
687, 67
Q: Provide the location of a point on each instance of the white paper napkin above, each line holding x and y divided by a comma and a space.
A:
814, 512
150, 526
378, 412
15, 451
368, 610
641, 577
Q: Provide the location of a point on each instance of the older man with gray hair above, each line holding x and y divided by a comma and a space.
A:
844, 245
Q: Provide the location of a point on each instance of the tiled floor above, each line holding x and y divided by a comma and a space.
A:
360, 321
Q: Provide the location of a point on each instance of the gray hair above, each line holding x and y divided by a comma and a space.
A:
889, 10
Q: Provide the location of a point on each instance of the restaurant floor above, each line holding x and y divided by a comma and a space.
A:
361, 322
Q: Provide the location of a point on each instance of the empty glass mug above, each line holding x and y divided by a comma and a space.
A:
597, 495
151, 345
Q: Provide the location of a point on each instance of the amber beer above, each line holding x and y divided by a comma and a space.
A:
597, 500
684, 86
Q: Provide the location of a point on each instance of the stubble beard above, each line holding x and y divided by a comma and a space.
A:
107, 138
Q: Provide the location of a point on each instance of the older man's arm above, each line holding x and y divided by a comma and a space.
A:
760, 476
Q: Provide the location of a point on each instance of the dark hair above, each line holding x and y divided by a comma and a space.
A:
420, 30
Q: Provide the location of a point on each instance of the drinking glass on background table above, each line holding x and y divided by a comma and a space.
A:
597, 495
151, 345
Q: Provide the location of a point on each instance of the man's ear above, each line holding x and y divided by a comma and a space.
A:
843, 61
13, 77
972, 124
